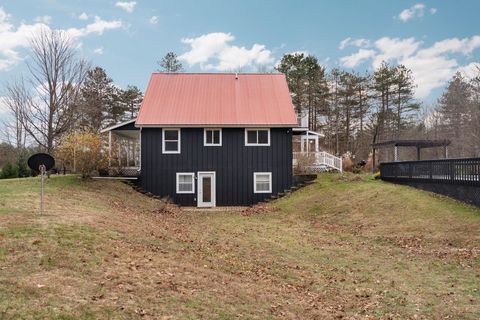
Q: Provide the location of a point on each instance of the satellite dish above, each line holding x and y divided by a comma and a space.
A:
41, 159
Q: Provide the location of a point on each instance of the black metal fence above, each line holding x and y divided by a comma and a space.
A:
456, 178
446, 171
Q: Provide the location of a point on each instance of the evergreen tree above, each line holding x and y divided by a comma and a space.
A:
405, 105
98, 94
292, 65
131, 98
170, 63
8, 171
307, 84
22, 167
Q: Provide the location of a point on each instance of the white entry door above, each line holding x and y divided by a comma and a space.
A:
206, 189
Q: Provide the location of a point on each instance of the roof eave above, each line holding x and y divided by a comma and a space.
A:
211, 125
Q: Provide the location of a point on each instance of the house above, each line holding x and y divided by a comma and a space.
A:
214, 139
206, 140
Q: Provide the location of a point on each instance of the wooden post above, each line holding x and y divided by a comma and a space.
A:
418, 153
445, 152
308, 142
396, 154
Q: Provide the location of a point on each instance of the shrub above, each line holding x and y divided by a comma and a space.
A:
304, 163
347, 164
9, 171
84, 149
22, 167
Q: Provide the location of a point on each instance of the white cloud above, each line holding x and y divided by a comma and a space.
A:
44, 19
357, 58
154, 20
127, 6
98, 27
415, 11
360, 43
470, 71
98, 50
15, 38
11, 39
394, 49
432, 66
214, 51
83, 16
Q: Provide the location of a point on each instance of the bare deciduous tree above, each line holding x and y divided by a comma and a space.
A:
14, 100
50, 95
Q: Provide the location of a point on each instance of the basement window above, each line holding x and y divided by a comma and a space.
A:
257, 137
185, 182
262, 182
171, 140
212, 137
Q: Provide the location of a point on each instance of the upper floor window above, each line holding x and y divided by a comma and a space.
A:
257, 137
212, 137
171, 140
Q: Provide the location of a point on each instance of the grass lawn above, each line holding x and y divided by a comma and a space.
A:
345, 247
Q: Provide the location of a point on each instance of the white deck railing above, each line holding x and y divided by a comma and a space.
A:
320, 159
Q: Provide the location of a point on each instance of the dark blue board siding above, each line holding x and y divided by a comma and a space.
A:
233, 162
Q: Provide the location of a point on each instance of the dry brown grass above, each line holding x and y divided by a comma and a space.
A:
341, 248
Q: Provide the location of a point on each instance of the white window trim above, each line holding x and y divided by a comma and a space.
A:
192, 174
205, 144
255, 182
179, 140
256, 144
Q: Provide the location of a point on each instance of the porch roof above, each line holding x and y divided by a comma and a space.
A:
304, 131
124, 129
412, 143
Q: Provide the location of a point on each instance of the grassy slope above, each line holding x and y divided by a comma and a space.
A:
338, 248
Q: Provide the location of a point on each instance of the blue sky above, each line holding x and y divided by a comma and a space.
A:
433, 38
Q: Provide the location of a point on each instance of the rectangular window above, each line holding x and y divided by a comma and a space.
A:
212, 137
262, 182
171, 140
257, 137
185, 182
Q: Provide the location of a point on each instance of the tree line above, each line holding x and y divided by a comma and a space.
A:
352, 110
355, 110
62, 93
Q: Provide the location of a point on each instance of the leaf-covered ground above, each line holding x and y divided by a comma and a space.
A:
345, 247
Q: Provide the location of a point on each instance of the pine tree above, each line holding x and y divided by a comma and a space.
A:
97, 96
405, 105
131, 98
170, 63
292, 65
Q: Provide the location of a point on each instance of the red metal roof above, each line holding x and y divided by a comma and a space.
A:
202, 99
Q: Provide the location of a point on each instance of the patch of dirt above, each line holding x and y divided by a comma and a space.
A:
258, 209
441, 249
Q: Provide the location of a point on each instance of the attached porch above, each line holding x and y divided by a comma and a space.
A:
307, 155
124, 150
